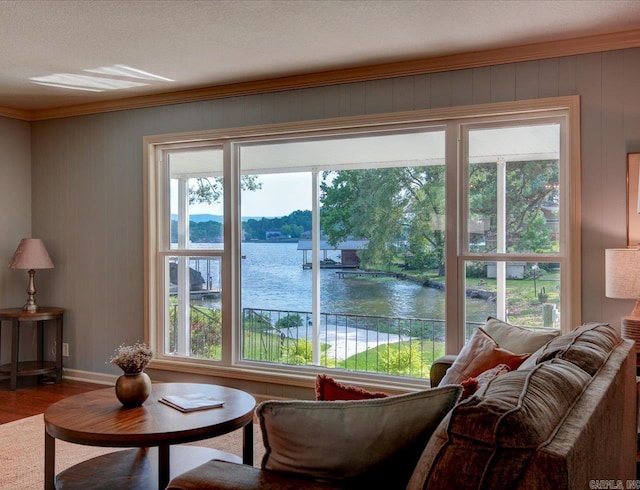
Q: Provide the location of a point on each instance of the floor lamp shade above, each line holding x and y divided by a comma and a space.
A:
622, 271
31, 255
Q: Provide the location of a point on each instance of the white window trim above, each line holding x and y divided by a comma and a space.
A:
563, 256
302, 375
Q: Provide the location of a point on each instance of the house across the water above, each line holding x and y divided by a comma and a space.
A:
346, 258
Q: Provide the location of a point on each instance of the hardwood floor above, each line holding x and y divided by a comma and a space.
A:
33, 397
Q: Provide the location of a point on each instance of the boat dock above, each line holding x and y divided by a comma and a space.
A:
343, 274
205, 294
198, 293
335, 265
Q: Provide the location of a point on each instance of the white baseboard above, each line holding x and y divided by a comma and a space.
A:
90, 377
266, 398
110, 380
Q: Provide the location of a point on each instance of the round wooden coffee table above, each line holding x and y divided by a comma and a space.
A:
97, 418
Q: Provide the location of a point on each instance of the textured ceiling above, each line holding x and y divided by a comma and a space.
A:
205, 43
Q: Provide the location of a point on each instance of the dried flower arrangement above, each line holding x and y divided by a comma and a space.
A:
132, 359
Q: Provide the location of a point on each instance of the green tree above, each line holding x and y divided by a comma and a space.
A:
529, 186
385, 206
292, 320
363, 204
536, 238
294, 224
406, 205
400, 358
425, 187
205, 232
298, 352
285, 231
209, 189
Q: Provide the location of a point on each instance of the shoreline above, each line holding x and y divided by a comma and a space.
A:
440, 286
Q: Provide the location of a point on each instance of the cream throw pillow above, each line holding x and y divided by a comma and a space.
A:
518, 340
480, 353
364, 442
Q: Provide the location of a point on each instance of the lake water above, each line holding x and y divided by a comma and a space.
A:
273, 279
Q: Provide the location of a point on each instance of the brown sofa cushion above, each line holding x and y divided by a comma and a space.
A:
222, 475
588, 347
361, 442
490, 437
471, 385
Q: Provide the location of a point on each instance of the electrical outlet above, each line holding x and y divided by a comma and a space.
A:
65, 349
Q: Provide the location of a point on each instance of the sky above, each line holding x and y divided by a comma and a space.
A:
281, 194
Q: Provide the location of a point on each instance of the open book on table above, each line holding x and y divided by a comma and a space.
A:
191, 402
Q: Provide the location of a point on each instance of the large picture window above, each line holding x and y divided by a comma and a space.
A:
371, 245
337, 302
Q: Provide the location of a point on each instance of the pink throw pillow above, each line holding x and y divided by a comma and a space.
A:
480, 353
328, 389
471, 385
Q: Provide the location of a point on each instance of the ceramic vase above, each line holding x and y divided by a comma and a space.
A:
133, 389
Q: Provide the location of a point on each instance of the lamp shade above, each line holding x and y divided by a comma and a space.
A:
31, 254
622, 271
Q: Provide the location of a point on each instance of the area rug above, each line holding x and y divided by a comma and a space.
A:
22, 452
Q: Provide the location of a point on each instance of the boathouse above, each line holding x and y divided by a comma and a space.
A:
348, 258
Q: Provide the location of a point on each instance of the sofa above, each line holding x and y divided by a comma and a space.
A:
563, 417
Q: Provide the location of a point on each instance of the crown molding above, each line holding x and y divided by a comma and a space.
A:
475, 59
16, 113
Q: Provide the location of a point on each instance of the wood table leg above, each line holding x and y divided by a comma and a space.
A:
164, 469
59, 350
15, 347
40, 341
49, 461
247, 444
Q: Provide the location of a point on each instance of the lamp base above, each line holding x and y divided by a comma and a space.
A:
31, 306
630, 328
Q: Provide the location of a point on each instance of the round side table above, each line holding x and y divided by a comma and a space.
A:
46, 315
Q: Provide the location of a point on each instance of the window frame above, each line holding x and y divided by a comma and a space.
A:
562, 256
452, 118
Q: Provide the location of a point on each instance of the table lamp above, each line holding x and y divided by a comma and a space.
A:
31, 255
622, 271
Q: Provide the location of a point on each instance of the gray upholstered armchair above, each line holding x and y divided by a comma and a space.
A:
439, 367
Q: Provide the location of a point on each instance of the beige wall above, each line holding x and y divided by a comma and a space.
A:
15, 205
15, 212
87, 176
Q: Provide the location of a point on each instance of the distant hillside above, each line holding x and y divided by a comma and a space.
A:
203, 218
207, 228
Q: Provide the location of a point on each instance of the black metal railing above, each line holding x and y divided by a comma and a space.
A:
387, 345
361, 343
205, 332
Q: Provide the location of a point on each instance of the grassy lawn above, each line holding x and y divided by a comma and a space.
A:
400, 358
523, 302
